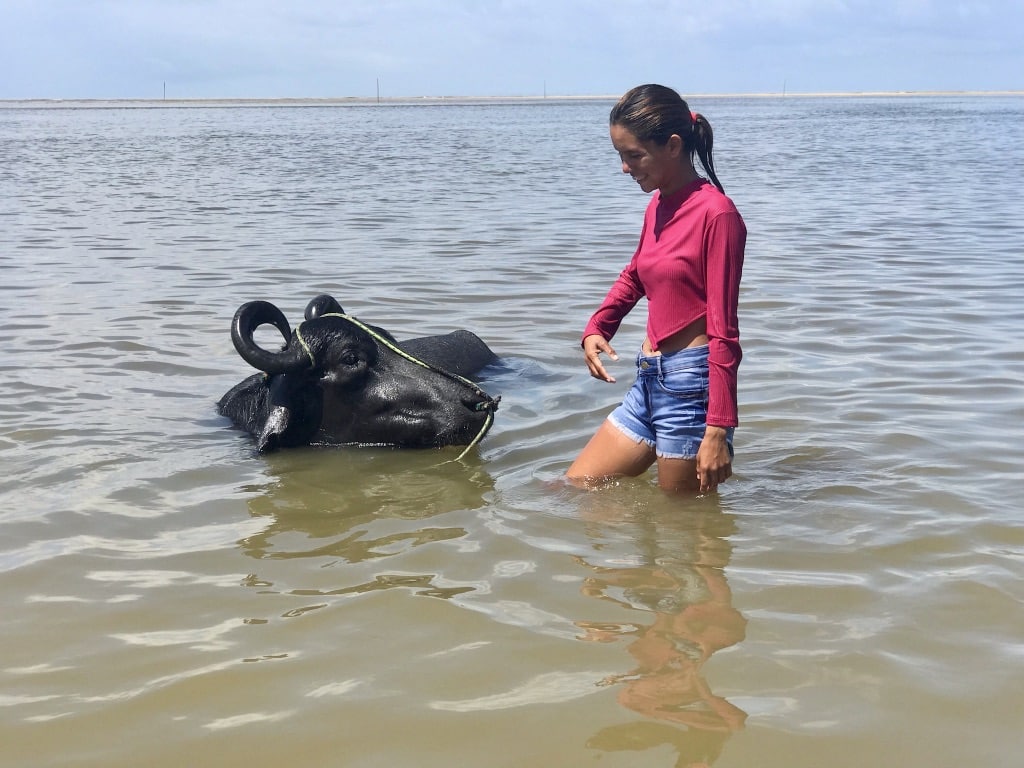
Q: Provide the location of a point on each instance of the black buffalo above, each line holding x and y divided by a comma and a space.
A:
338, 381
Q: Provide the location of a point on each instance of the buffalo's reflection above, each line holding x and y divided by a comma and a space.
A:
334, 497
664, 564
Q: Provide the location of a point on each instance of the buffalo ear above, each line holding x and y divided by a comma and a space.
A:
269, 438
294, 411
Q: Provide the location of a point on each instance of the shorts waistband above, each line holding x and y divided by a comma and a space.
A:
683, 358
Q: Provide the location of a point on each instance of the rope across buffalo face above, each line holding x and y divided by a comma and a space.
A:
488, 404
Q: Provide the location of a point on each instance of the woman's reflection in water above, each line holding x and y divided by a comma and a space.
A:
674, 580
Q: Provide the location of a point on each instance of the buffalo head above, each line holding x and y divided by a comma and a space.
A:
338, 381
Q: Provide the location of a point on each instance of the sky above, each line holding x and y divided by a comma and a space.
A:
134, 49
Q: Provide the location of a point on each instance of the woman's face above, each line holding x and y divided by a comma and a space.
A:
652, 166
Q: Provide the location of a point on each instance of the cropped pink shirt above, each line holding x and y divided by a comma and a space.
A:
688, 264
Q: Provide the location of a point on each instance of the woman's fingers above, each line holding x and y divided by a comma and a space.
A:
593, 346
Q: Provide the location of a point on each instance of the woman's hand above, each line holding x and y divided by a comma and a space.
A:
714, 464
593, 346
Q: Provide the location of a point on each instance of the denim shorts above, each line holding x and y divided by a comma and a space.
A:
667, 406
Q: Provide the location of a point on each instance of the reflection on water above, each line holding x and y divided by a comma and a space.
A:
691, 749
665, 566
349, 508
327, 493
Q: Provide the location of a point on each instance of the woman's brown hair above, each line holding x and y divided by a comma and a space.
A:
655, 112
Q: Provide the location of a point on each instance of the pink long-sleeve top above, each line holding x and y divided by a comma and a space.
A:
688, 264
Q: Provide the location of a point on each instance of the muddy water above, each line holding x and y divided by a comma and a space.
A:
853, 596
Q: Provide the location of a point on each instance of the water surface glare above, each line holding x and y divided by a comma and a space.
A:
852, 597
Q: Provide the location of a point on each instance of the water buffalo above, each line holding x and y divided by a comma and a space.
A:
338, 381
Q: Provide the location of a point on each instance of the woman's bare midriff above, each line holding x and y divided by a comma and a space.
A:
693, 335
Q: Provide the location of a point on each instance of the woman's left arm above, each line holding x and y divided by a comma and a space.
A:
725, 243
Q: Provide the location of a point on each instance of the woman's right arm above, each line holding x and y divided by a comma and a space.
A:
593, 346
625, 292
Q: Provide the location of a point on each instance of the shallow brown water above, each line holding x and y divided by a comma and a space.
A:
852, 597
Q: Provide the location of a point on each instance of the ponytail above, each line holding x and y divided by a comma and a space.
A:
703, 142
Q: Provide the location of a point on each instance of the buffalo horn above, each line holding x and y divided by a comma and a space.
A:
251, 316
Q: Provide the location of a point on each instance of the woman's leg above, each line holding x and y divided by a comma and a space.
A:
610, 453
676, 475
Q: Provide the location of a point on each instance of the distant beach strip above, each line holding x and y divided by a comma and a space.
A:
342, 101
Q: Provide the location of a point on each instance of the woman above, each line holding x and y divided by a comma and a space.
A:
681, 411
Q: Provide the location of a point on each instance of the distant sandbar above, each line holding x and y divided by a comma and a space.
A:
341, 101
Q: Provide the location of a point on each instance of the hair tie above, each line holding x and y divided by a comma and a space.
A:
694, 116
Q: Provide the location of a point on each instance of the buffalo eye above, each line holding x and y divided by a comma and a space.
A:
349, 358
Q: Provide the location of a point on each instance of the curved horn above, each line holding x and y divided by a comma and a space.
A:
323, 304
251, 316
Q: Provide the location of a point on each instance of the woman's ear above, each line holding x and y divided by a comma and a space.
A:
675, 145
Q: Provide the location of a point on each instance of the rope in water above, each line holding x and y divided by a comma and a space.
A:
490, 404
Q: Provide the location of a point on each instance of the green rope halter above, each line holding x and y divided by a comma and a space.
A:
490, 404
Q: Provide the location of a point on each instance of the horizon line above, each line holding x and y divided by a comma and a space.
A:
340, 100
